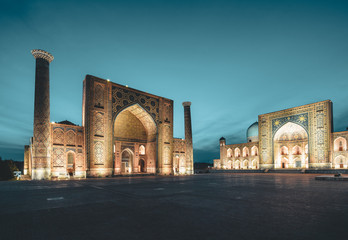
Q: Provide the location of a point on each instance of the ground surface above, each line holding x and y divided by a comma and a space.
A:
210, 206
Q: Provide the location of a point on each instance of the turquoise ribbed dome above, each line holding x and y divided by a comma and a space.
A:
253, 130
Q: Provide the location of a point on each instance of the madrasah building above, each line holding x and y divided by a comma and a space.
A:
296, 138
124, 131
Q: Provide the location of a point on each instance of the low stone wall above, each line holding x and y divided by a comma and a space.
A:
236, 171
328, 171
311, 171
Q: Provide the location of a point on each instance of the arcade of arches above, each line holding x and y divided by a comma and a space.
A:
290, 151
340, 152
124, 131
295, 138
242, 156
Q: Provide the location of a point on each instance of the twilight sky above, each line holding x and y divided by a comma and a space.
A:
233, 59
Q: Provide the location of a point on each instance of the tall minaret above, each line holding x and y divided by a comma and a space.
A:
188, 137
41, 163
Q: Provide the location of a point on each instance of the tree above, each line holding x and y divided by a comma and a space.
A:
12, 165
6, 172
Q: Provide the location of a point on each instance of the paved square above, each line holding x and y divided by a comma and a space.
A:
210, 206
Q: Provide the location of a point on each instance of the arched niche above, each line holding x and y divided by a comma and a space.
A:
135, 129
289, 143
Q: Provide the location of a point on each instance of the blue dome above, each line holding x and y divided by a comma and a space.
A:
253, 130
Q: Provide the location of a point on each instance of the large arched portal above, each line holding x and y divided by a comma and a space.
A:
290, 147
135, 130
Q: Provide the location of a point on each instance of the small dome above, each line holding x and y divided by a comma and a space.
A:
253, 130
66, 122
222, 139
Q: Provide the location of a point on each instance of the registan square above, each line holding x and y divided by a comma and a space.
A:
174, 119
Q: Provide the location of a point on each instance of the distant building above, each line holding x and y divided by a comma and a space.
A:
124, 131
298, 138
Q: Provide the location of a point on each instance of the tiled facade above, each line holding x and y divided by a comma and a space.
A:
68, 142
296, 138
179, 156
124, 131
238, 156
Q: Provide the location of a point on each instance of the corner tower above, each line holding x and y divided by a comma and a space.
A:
222, 152
41, 168
188, 137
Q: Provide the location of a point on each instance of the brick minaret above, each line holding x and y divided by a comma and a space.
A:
188, 137
41, 164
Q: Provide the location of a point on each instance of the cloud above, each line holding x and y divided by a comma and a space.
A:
206, 155
12, 153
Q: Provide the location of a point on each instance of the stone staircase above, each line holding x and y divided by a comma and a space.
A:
135, 175
285, 171
235, 171
25, 178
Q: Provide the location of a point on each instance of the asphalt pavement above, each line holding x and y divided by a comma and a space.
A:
203, 206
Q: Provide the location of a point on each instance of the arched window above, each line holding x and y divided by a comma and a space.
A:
284, 151
246, 164
126, 161
70, 159
71, 164
237, 165
254, 164
142, 150
340, 144
245, 152
296, 150
237, 152
229, 152
340, 162
254, 151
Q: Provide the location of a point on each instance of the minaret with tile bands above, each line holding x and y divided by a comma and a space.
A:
41, 162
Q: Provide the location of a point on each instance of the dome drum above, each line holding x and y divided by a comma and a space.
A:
253, 132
